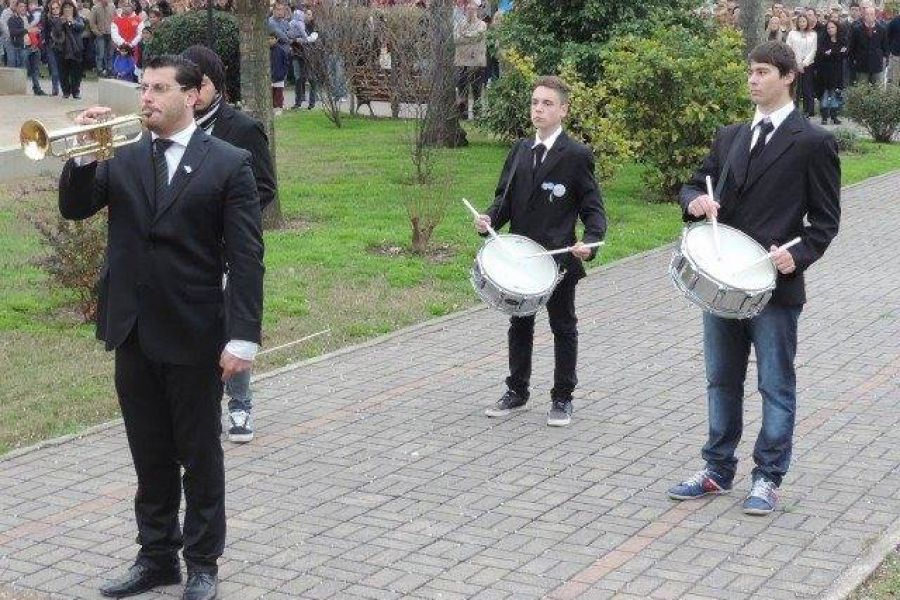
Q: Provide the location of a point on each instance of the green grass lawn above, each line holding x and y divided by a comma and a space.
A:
341, 264
884, 583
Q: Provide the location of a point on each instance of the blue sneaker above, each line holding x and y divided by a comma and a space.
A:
703, 483
762, 498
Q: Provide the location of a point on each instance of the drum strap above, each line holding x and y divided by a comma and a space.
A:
512, 172
720, 184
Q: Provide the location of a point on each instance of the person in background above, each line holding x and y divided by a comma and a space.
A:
893, 41
803, 41
66, 40
219, 119
868, 48
123, 65
280, 62
126, 27
102, 14
830, 54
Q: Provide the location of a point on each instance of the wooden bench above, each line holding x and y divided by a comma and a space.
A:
371, 83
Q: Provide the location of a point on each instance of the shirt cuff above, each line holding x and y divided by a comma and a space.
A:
241, 349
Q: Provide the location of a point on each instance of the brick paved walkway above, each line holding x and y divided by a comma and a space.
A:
375, 475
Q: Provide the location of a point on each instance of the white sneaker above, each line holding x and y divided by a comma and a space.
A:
240, 430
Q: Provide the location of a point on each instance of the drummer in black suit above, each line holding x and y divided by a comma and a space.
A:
547, 183
776, 178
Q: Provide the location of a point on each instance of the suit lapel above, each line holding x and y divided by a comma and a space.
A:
145, 156
553, 156
740, 154
193, 157
782, 139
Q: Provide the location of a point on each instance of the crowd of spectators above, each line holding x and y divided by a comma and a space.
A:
835, 47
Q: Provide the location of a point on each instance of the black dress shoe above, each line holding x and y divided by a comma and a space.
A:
139, 579
201, 586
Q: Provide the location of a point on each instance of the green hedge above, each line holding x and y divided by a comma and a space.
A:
178, 32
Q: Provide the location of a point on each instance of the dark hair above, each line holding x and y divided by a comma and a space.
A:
209, 64
554, 83
187, 74
775, 53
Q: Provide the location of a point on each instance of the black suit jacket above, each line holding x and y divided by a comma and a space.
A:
164, 269
535, 212
797, 177
243, 131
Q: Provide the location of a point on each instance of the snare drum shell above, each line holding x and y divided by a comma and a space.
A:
711, 295
497, 296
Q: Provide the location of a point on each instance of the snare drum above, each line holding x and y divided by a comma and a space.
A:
721, 285
511, 283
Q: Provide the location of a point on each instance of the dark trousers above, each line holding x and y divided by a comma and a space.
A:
863, 77
70, 76
726, 350
806, 90
172, 418
469, 78
563, 323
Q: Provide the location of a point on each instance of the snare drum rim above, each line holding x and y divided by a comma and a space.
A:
699, 269
486, 274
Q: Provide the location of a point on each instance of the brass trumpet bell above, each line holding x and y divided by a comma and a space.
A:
100, 139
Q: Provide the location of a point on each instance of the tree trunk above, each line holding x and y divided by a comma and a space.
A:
256, 83
751, 24
442, 126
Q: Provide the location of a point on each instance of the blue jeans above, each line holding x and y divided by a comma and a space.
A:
53, 61
33, 68
103, 53
726, 348
15, 57
238, 390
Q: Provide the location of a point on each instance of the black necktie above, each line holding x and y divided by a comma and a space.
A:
537, 157
160, 168
765, 128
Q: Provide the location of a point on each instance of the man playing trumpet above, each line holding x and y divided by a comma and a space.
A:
181, 204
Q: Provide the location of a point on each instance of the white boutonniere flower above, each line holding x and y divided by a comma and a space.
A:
559, 190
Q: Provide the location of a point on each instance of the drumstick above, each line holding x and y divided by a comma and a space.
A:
712, 219
562, 250
769, 256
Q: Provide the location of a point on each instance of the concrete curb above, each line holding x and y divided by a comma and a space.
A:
857, 574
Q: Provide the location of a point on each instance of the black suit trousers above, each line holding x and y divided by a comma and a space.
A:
563, 324
172, 419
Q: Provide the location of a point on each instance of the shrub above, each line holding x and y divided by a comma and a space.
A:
670, 91
877, 109
589, 120
176, 33
76, 256
575, 30
847, 140
507, 98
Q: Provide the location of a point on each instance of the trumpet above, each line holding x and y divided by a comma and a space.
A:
100, 139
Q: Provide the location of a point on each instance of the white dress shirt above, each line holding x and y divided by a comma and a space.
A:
548, 143
777, 117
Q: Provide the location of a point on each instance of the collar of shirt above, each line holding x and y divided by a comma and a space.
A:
551, 139
176, 151
777, 117
182, 137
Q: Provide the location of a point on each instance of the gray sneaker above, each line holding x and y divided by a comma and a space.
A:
509, 403
560, 413
240, 427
